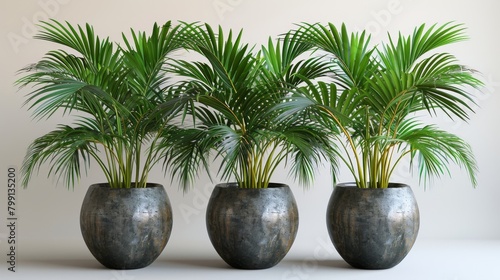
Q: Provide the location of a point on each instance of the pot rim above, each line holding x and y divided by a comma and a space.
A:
392, 185
106, 185
234, 185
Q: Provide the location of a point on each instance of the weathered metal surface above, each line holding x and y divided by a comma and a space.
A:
373, 228
126, 228
252, 228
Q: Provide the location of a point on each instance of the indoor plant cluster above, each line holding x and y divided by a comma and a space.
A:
316, 94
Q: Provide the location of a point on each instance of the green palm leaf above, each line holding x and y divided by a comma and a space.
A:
434, 150
65, 149
233, 94
379, 91
111, 90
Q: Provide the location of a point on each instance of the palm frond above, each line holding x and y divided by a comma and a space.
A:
351, 59
185, 152
233, 93
112, 90
434, 149
66, 149
379, 90
406, 51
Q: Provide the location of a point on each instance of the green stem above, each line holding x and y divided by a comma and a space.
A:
397, 161
351, 143
270, 166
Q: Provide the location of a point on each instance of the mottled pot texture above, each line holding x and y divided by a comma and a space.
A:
373, 228
126, 228
252, 228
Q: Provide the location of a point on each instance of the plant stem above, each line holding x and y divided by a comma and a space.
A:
351, 143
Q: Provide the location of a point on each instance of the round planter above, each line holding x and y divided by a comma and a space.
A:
252, 228
373, 228
126, 228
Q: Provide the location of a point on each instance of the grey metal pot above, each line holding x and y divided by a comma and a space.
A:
126, 228
252, 228
373, 228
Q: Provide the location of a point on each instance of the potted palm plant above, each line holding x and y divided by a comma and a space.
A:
106, 91
377, 101
227, 93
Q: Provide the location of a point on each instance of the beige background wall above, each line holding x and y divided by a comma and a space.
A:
450, 208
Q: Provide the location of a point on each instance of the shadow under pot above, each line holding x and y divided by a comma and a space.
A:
252, 228
126, 228
373, 228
